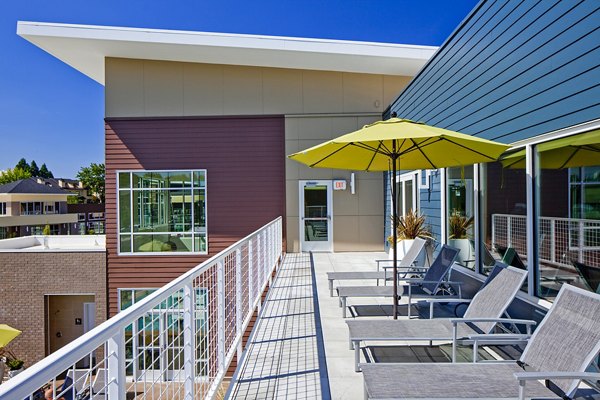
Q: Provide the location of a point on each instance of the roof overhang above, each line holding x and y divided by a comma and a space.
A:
84, 47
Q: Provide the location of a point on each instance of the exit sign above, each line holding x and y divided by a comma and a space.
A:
339, 185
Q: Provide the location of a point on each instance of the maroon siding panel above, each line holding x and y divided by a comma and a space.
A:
244, 158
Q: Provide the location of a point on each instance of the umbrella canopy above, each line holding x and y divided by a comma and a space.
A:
413, 145
569, 152
7, 334
387, 145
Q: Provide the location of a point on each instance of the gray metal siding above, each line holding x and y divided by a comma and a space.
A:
513, 70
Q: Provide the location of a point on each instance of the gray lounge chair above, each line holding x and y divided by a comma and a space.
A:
425, 287
559, 352
489, 303
404, 266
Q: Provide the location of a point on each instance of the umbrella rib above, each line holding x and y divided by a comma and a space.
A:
569, 158
330, 154
374, 155
465, 147
417, 147
370, 148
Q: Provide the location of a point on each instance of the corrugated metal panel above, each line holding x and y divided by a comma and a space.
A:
244, 159
513, 70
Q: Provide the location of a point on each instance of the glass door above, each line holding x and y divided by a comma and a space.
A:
315, 216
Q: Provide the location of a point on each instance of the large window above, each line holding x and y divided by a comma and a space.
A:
460, 217
40, 207
2, 208
162, 211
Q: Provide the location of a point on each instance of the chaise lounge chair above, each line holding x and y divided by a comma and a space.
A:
559, 352
426, 287
484, 313
405, 265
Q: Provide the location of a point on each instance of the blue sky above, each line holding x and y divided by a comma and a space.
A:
51, 113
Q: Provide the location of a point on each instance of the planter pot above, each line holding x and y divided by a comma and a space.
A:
466, 257
15, 372
403, 247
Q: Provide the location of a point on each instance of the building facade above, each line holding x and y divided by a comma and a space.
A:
27, 207
197, 130
41, 298
525, 74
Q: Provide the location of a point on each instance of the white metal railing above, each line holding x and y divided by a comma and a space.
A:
176, 343
561, 240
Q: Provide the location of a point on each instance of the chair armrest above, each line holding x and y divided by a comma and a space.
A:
496, 339
456, 321
536, 376
442, 299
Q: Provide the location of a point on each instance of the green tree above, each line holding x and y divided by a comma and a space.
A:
93, 179
15, 174
33, 168
45, 173
22, 164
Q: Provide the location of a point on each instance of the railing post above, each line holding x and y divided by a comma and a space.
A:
250, 275
189, 305
553, 240
581, 241
239, 318
493, 231
261, 277
115, 380
508, 231
221, 315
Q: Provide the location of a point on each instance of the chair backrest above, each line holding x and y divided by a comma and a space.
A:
439, 269
511, 257
67, 390
99, 384
568, 338
495, 295
590, 275
80, 378
412, 253
498, 266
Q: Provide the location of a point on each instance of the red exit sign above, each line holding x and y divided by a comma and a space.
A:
339, 185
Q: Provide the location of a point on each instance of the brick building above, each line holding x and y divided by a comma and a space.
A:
39, 296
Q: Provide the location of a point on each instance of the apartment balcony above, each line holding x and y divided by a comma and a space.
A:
251, 322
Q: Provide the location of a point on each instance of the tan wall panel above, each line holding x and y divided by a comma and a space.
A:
163, 88
136, 88
322, 92
202, 89
344, 202
124, 88
363, 93
343, 125
242, 90
318, 129
292, 229
282, 91
292, 196
62, 311
370, 194
392, 86
345, 234
371, 233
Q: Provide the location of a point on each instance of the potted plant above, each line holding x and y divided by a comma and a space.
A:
410, 226
459, 237
15, 366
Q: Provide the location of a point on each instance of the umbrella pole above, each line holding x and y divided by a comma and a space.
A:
395, 233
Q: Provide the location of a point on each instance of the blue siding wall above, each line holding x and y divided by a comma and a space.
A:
430, 203
512, 70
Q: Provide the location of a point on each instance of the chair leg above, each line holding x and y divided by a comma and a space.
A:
344, 307
331, 288
356, 356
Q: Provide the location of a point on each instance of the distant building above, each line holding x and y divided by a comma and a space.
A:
70, 185
27, 206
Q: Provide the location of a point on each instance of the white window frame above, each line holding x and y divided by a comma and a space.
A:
162, 253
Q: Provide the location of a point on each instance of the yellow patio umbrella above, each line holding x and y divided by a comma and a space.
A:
569, 152
395, 143
7, 334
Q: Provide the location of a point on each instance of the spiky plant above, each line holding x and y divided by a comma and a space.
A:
411, 226
459, 226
